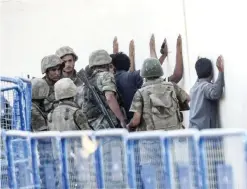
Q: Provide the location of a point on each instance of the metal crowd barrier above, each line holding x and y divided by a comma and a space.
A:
15, 115
16, 103
186, 159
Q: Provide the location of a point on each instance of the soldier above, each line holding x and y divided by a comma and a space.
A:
69, 58
104, 83
51, 66
67, 115
156, 104
40, 91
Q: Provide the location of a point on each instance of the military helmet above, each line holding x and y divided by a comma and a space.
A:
66, 50
40, 89
64, 88
98, 58
151, 68
49, 62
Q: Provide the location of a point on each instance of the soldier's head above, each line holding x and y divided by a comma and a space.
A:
151, 69
40, 89
51, 65
100, 59
68, 57
204, 68
65, 89
121, 61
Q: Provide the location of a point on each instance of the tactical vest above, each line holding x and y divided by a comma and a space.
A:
62, 118
160, 106
89, 105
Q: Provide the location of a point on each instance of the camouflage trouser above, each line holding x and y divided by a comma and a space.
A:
151, 168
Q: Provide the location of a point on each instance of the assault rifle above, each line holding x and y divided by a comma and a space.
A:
82, 75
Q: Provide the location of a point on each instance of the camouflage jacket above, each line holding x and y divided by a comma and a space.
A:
158, 103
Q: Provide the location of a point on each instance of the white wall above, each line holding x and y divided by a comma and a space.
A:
214, 28
31, 29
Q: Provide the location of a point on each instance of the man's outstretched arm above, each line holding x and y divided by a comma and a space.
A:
179, 68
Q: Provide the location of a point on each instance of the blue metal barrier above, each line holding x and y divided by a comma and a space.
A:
148, 161
222, 153
79, 160
112, 158
47, 154
4, 162
24, 96
20, 170
13, 116
117, 159
183, 158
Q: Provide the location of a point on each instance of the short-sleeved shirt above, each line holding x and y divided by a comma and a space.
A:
127, 85
105, 82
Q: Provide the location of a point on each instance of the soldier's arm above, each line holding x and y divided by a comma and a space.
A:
109, 89
136, 107
181, 94
179, 68
81, 120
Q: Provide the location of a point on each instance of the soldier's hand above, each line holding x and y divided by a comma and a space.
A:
130, 127
220, 63
164, 48
115, 45
132, 48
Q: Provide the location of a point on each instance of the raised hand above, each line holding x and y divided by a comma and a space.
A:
115, 45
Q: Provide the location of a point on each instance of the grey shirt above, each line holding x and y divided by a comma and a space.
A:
204, 102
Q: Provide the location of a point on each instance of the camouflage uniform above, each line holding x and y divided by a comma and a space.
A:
67, 115
103, 81
157, 100
49, 62
63, 51
40, 91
